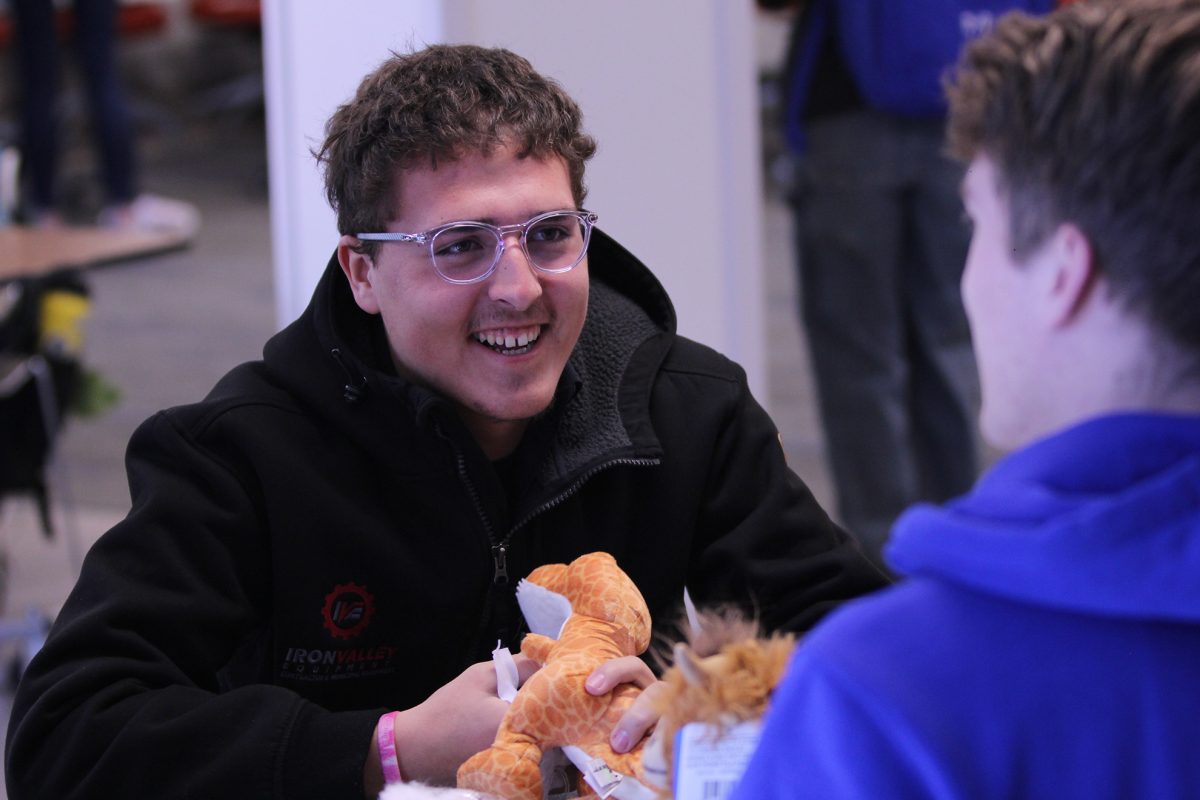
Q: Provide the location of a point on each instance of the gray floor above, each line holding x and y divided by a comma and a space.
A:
164, 329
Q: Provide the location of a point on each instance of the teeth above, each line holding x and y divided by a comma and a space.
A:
509, 338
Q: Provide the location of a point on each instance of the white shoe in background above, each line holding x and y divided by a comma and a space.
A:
152, 213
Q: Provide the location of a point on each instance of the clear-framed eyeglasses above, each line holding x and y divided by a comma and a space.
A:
468, 252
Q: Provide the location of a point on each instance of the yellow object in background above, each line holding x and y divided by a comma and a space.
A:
62, 314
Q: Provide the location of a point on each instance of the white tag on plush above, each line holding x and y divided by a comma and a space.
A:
545, 611
507, 676
707, 764
604, 780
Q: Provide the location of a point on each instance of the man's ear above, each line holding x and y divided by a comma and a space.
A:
1070, 280
357, 268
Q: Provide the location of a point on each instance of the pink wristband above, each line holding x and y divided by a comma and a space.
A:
387, 748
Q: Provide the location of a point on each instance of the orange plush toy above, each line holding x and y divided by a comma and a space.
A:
608, 618
723, 676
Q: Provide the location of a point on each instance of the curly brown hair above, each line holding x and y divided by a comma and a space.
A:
1092, 115
440, 103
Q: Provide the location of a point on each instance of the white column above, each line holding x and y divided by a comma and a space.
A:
667, 87
315, 53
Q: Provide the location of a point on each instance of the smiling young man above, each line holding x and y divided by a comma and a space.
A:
1045, 640
495, 348
484, 382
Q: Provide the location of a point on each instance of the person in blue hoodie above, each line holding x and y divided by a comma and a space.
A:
1045, 641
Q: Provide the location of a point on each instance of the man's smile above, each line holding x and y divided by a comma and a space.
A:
509, 341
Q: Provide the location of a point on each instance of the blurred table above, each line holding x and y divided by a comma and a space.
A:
26, 252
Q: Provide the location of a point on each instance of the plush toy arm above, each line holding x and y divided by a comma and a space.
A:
537, 647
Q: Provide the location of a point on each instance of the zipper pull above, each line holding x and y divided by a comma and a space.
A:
499, 555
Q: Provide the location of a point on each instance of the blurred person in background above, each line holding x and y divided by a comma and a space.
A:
880, 246
1045, 638
94, 31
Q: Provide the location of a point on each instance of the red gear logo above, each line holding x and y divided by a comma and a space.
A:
348, 610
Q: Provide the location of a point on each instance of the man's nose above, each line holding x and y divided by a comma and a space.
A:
515, 282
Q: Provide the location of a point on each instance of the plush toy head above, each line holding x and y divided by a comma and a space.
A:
723, 676
608, 619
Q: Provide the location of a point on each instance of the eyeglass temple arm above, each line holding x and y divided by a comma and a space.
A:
419, 238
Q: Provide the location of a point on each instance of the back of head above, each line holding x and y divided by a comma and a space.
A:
435, 105
1092, 116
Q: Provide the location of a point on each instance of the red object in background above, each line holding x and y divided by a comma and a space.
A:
233, 13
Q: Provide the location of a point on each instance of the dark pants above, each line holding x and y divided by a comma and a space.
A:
38, 63
881, 251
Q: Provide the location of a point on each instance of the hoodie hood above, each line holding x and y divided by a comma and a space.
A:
335, 357
1101, 518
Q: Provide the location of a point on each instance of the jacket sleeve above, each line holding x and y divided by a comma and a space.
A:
125, 699
827, 736
763, 536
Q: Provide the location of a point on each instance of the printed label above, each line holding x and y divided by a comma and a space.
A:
708, 763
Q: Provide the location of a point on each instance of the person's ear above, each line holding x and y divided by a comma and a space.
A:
1070, 280
357, 268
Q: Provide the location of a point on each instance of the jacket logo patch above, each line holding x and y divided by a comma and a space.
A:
348, 610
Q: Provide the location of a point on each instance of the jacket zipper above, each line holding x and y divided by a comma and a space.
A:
499, 549
499, 552
567, 493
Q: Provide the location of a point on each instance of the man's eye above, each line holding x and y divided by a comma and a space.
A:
449, 245
550, 233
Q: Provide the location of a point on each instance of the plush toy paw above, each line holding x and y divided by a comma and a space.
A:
508, 770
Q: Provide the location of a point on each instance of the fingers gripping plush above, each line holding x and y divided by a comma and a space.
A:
608, 620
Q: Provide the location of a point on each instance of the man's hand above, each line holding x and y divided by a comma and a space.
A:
639, 719
457, 721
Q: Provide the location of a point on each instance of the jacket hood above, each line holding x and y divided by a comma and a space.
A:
335, 357
1102, 518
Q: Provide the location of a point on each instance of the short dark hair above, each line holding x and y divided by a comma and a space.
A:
441, 103
1092, 115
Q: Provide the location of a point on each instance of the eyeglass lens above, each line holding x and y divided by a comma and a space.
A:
464, 252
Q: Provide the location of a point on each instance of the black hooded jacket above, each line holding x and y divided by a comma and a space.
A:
319, 540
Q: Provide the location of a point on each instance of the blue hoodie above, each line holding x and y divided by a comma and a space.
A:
1045, 643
